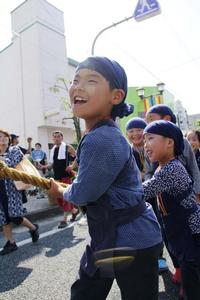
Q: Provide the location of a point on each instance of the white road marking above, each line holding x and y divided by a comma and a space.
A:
45, 234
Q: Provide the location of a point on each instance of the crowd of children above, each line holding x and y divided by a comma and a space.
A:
117, 180
160, 158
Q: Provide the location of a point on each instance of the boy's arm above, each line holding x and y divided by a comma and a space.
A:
73, 165
71, 150
170, 178
100, 162
72, 153
29, 141
45, 167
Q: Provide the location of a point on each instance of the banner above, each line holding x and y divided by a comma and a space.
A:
151, 101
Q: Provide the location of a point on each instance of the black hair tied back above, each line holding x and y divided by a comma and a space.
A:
114, 73
122, 110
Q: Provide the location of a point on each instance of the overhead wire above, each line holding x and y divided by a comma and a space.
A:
152, 74
183, 45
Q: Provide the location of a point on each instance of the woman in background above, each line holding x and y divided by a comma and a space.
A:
11, 206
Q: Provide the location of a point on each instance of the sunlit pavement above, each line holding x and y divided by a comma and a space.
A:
47, 269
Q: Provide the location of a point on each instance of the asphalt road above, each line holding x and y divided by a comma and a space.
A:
46, 270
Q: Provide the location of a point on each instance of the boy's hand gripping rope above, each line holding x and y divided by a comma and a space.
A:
6, 172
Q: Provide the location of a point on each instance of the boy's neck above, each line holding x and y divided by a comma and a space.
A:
166, 160
92, 122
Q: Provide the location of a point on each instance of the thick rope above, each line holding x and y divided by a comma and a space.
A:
6, 172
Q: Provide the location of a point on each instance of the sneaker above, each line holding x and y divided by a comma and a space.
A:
74, 215
176, 277
162, 265
62, 224
35, 234
8, 248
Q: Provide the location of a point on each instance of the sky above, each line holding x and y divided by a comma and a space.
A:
164, 48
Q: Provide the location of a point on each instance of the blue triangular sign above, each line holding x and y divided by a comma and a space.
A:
146, 9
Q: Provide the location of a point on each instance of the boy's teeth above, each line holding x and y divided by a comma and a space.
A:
80, 99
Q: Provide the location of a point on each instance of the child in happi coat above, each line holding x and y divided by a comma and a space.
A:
174, 189
164, 112
193, 138
134, 132
125, 235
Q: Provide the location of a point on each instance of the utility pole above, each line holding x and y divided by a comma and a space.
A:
106, 28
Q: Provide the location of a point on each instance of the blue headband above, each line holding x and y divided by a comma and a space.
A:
136, 123
163, 110
115, 75
167, 129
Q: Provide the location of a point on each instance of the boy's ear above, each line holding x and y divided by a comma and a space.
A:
118, 96
167, 118
171, 142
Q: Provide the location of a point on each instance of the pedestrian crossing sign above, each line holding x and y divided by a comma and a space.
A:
146, 9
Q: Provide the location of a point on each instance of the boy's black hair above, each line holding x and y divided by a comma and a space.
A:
167, 129
113, 72
57, 132
163, 110
38, 144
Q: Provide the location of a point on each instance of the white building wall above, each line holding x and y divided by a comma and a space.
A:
10, 90
29, 68
182, 117
34, 10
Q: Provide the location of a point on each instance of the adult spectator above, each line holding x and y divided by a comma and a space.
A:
11, 206
15, 142
39, 159
62, 160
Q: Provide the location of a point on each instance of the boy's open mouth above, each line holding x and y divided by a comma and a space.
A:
79, 100
148, 152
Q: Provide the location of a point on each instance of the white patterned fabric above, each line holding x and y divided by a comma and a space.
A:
173, 179
14, 197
